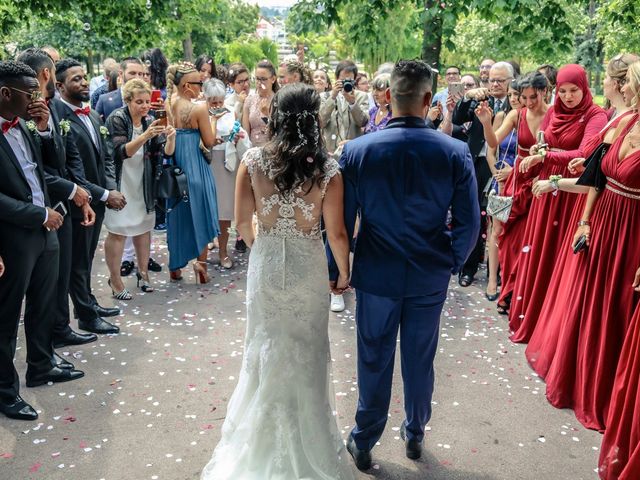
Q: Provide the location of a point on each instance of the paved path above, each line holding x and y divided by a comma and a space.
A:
154, 397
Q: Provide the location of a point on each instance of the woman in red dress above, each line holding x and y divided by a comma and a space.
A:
568, 125
600, 301
620, 452
527, 121
543, 341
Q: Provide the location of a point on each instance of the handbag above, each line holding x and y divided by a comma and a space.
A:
593, 175
499, 206
171, 184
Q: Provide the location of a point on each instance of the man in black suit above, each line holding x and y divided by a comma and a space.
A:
64, 185
89, 134
500, 77
28, 243
130, 67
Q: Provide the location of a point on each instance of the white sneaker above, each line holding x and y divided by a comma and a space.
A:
337, 303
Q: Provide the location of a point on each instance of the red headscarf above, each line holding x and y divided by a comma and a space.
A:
567, 124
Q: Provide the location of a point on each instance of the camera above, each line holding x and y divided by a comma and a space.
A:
348, 85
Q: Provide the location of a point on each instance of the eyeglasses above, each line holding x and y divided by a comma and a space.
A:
242, 82
33, 95
498, 80
485, 67
195, 83
262, 79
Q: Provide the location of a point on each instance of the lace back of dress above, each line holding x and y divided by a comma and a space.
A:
296, 215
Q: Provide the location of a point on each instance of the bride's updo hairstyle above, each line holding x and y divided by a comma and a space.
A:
295, 145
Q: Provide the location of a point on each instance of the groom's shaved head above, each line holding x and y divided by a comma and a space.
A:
410, 81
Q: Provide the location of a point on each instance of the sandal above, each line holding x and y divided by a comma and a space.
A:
143, 283
123, 295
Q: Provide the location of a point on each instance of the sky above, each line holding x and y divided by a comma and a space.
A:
273, 3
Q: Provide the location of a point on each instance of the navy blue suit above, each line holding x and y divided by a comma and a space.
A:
108, 102
401, 182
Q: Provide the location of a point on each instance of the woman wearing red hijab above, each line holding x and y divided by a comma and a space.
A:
599, 305
568, 126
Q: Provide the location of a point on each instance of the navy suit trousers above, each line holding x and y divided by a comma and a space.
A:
378, 320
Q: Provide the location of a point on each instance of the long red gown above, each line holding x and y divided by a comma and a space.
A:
543, 341
519, 187
547, 227
600, 301
620, 452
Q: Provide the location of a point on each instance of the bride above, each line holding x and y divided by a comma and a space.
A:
280, 423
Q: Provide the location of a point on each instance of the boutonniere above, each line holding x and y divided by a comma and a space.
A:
104, 131
65, 126
31, 125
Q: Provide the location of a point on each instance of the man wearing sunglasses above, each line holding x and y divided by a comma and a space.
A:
28, 243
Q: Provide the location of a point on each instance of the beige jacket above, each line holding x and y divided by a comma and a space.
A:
340, 121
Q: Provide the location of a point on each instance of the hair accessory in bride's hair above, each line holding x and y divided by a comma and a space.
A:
310, 159
301, 116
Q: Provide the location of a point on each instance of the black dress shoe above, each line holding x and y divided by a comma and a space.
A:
465, 280
126, 268
413, 447
154, 266
61, 362
241, 247
362, 458
107, 312
55, 375
19, 409
98, 325
73, 338
492, 297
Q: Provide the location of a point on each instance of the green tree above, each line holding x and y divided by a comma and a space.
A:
618, 26
251, 50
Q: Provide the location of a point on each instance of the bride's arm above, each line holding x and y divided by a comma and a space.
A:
245, 205
333, 215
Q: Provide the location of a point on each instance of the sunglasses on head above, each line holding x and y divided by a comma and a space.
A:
33, 95
195, 83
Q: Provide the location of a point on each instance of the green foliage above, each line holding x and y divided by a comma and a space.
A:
618, 26
250, 51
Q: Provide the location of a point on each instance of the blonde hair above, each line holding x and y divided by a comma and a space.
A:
133, 86
633, 73
175, 73
617, 67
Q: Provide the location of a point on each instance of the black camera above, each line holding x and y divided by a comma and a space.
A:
348, 85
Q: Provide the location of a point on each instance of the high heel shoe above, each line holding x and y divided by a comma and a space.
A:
145, 287
200, 271
175, 275
123, 295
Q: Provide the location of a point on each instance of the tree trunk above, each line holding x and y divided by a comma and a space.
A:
90, 63
187, 46
432, 36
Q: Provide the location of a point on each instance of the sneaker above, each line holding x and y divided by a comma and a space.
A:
337, 303
161, 227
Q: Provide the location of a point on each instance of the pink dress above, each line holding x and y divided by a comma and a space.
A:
258, 133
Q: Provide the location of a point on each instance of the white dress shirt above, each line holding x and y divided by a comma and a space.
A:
21, 150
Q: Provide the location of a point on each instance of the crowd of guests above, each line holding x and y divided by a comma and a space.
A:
562, 260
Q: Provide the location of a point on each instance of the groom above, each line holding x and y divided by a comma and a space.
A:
401, 181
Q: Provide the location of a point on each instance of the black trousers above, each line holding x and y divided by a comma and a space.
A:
483, 175
31, 270
84, 244
61, 305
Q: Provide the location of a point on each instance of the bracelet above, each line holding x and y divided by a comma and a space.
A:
553, 180
583, 223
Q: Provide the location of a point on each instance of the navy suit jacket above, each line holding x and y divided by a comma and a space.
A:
401, 181
109, 102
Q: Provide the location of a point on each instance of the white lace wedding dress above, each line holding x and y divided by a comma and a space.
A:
280, 423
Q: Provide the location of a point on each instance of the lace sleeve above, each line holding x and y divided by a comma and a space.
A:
250, 159
333, 169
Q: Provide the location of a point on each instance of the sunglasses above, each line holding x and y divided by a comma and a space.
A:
33, 96
195, 83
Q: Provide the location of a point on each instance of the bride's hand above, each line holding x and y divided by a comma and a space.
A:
343, 283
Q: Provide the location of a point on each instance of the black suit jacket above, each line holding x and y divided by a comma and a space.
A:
463, 113
19, 216
99, 170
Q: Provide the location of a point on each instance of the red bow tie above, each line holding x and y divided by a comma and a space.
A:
6, 126
82, 111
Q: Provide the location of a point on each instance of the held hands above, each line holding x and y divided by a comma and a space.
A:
54, 220
39, 113
340, 286
541, 187
577, 166
89, 215
529, 162
81, 197
116, 200
582, 230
